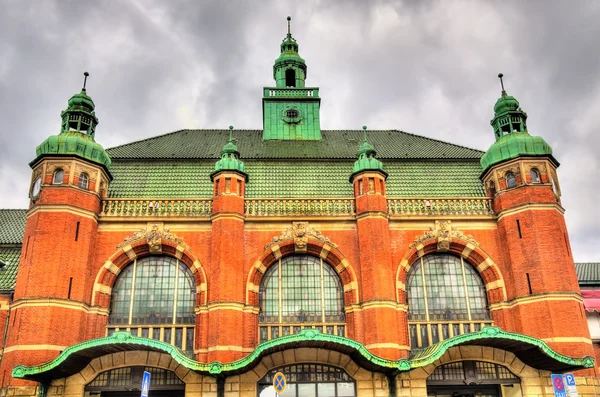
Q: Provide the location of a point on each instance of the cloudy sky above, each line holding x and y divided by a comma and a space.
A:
426, 67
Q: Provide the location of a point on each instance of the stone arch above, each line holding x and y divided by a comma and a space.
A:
125, 254
328, 252
365, 380
78, 381
469, 251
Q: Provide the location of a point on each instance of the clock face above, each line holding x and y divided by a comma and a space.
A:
37, 186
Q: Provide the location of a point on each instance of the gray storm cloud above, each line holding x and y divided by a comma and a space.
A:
426, 67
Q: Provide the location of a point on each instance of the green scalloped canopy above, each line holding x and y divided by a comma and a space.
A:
531, 351
514, 145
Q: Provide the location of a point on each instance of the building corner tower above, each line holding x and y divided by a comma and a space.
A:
69, 179
519, 173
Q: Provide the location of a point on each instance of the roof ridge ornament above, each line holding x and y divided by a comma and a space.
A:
85, 74
500, 76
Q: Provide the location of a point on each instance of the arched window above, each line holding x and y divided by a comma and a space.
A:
310, 380
300, 292
58, 176
83, 180
162, 382
535, 176
154, 297
290, 78
446, 297
511, 180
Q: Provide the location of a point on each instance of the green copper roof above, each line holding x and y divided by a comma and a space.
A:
588, 273
12, 226
510, 129
10, 256
336, 144
366, 158
76, 144
230, 157
514, 145
531, 351
293, 179
78, 128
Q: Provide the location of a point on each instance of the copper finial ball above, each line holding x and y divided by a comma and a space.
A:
230, 127
364, 127
500, 75
289, 18
86, 74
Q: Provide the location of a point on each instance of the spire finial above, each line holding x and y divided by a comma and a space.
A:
289, 19
500, 75
85, 74
230, 133
364, 132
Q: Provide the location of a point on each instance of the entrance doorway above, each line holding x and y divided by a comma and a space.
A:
309, 380
470, 379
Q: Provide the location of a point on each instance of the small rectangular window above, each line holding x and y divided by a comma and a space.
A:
217, 187
77, 231
227, 185
529, 284
519, 228
371, 185
70, 286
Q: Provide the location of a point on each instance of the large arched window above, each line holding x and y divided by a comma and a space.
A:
154, 297
446, 297
310, 380
300, 292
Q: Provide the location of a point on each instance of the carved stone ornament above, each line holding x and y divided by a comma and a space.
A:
154, 237
444, 233
300, 232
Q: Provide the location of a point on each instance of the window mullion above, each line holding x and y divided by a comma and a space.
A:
176, 291
322, 294
279, 279
424, 290
462, 266
132, 291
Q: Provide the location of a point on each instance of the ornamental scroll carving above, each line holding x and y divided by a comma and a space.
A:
444, 233
300, 232
154, 237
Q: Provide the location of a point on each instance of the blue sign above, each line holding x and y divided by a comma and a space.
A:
569, 379
558, 385
279, 382
145, 384
571, 387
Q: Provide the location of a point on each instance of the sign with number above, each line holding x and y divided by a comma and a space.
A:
559, 385
570, 383
145, 384
279, 383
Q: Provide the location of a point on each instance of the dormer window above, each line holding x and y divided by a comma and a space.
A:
58, 177
511, 180
535, 176
83, 180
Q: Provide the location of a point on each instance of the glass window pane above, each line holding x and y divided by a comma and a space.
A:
307, 390
326, 389
345, 389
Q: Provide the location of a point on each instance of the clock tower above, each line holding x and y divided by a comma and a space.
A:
290, 109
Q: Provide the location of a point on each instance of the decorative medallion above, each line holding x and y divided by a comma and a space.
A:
153, 237
300, 232
444, 233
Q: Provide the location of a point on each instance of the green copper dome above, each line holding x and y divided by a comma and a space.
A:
366, 159
515, 145
230, 158
512, 138
78, 128
76, 144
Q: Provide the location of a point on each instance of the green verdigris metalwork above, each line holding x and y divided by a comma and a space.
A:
366, 159
422, 359
290, 110
512, 138
230, 158
76, 137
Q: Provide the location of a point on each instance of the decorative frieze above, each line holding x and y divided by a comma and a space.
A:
300, 232
440, 206
444, 233
156, 208
154, 237
299, 207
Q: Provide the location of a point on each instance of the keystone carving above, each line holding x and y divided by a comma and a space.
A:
300, 232
444, 233
154, 237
